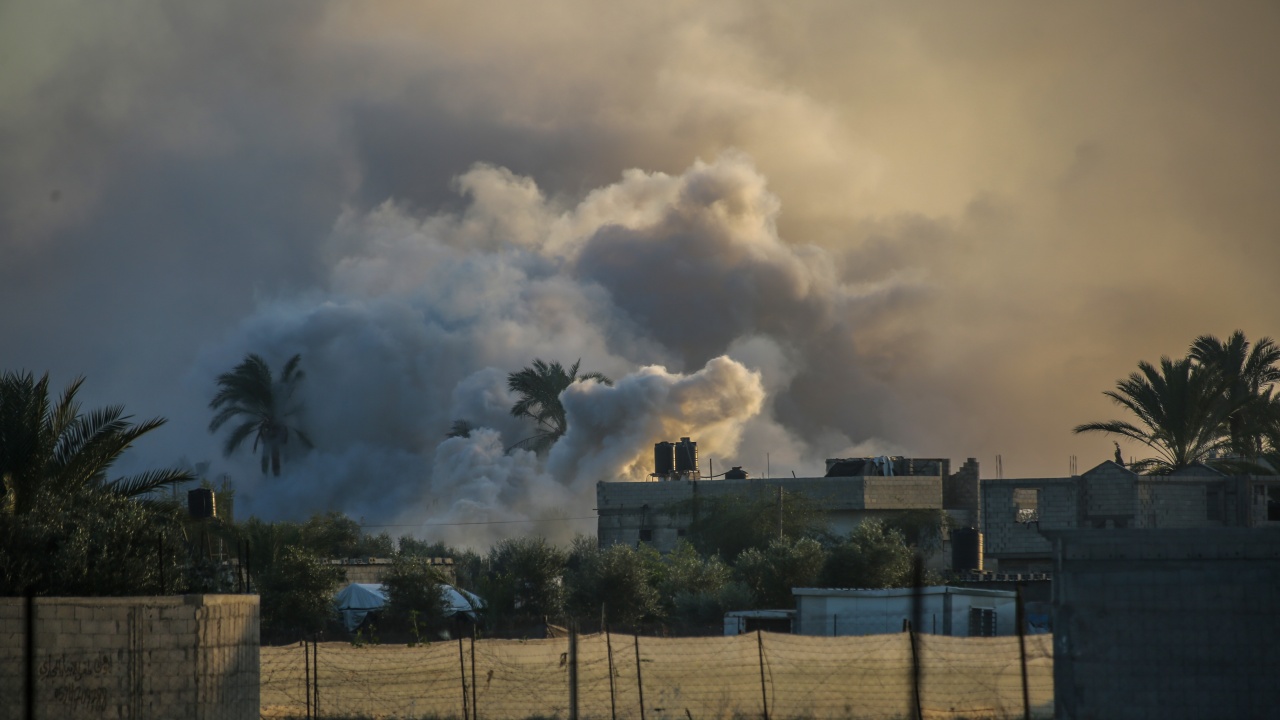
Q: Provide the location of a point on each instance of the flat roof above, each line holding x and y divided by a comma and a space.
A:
902, 592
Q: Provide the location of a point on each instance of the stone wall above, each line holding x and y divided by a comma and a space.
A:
1166, 624
193, 656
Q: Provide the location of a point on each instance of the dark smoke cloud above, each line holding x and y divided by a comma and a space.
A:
930, 229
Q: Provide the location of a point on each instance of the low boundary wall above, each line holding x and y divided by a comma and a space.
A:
1170, 624
188, 656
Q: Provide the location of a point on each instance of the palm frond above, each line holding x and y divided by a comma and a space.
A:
147, 482
237, 436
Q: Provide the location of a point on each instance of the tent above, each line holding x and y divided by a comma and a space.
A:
357, 600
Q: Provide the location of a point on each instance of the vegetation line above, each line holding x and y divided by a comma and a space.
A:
486, 522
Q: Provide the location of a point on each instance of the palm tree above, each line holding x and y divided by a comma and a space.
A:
52, 447
1181, 414
262, 405
539, 387
460, 429
1246, 376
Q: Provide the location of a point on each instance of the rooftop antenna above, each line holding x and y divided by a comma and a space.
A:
999, 468
768, 468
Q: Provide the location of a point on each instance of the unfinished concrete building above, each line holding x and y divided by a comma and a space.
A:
1112, 497
853, 489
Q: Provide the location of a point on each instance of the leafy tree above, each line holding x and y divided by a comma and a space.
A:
328, 535
297, 592
922, 530
620, 579
874, 555
784, 564
525, 579
1181, 411
262, 406
731, 524
698, 590
94, 543
468, 565
1245, 376
51, 446
413, 590
335, 535
539, 387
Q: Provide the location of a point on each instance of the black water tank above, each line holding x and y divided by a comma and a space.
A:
664, 454
686, 456
737, 473
201, 503
966, 549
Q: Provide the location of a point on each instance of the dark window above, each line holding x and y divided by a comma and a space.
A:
646, 535
1273, 503
680, 532
982, 622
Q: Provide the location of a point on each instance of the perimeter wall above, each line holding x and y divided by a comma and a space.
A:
192, 656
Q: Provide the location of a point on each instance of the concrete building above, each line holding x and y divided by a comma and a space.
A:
1111, 497
1169, 624
955, 611
660, 512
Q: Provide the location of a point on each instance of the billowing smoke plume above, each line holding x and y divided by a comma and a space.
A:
676, 286
959, 223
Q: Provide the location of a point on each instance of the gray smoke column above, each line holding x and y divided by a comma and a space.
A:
677, 286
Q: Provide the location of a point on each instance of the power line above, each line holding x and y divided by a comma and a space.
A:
485, 522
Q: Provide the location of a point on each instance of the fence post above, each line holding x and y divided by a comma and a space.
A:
160, 560
462, 671
764, 697
639, 676
573, 670
31, 653
475, 707
613, 693
913, 629
315, 669
1022, 650
306, 673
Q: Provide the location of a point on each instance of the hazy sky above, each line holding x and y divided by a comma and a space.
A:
935, 229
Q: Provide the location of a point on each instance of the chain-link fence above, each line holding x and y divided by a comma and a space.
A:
615, 676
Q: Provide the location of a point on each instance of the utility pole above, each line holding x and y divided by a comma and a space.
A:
779, 512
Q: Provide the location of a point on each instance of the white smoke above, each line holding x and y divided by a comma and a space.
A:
679, 287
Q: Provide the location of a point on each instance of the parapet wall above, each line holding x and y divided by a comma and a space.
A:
192, 656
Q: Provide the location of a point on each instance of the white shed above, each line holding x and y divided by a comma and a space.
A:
944, 610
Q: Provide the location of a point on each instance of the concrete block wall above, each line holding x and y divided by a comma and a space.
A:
961, 491
1004, 535
625, 508
193, 656
1166, 624
1109, 493
1176, 503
